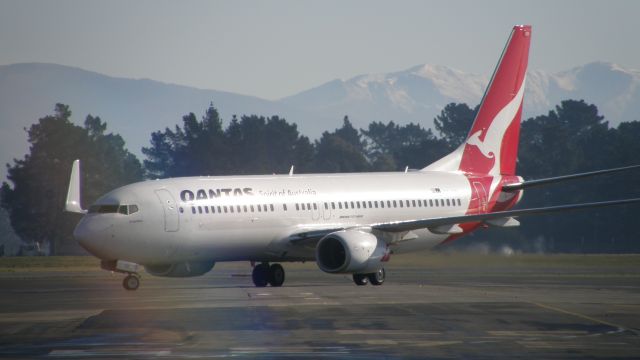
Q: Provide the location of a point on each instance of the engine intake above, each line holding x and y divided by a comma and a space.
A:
350, 251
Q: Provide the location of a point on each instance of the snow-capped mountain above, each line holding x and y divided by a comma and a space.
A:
419, 93
135, 108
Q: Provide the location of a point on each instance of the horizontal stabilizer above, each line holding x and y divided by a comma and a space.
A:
531, 183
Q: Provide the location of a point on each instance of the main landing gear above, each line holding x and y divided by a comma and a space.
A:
376, 278
264, 274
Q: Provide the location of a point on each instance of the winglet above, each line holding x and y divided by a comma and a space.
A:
73, 194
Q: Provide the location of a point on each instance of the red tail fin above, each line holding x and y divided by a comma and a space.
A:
492, 144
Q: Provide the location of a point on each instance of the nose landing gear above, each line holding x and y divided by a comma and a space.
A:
131, 282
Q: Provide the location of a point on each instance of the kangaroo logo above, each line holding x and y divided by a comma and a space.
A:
481, 145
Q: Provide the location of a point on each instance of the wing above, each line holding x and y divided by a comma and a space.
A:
407, 225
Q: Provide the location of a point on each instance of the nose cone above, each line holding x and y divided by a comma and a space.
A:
92, 234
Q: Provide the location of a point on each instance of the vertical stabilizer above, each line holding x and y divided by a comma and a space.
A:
492, 144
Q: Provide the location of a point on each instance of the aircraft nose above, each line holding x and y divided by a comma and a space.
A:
91, 234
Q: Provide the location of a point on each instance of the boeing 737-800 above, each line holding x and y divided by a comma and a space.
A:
347, 223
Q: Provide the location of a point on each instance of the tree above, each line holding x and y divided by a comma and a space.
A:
249, 145
39, 181
393, 147
570, 139
454, 123
341, 150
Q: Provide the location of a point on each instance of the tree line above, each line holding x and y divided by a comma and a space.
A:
571, 138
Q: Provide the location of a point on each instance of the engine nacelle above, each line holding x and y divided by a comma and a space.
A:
184, 269
351, 251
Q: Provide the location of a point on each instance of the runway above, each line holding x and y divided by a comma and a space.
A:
522, 310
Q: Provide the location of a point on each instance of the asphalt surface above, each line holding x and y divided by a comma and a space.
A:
420, 312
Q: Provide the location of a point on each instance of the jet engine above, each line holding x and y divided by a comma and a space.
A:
351, 251
183, 269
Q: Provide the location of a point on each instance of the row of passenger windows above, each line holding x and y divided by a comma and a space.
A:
334, 205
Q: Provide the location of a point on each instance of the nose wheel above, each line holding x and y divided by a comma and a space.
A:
131, 282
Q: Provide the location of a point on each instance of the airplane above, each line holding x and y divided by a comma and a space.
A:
346, 223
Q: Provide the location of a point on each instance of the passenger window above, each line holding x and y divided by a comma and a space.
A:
181, 210
303, 208
364, 204
413, 202
225, 209
206, 209
448, 203
252, 208
231, 209
459, 204
244, 207
382, 204
401, 204
326, 206
122, 209
297, 207
315, 206
395, 204
239, 208
419, 203
358, 204
431, 203
219, 210
199, 209
309, 206
352, 205
333, 205
272, 208
284, 207
340, 205
193, 209
370, 204
388, 203
346, 205
375, 203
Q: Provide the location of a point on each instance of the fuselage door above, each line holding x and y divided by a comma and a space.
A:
170, 208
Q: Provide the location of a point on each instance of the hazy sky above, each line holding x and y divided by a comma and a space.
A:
273, 49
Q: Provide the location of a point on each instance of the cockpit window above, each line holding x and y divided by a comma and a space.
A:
103, 209
112, 209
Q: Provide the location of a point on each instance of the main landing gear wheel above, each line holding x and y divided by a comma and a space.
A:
360, 279
377, 278
264, 274
131, 282
276, 275
260, 275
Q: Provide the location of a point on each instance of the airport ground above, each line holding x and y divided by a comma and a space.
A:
431, 306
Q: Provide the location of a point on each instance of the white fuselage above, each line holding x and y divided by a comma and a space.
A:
252, 217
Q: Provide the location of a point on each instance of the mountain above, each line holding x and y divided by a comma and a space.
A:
135, 108
419, 93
